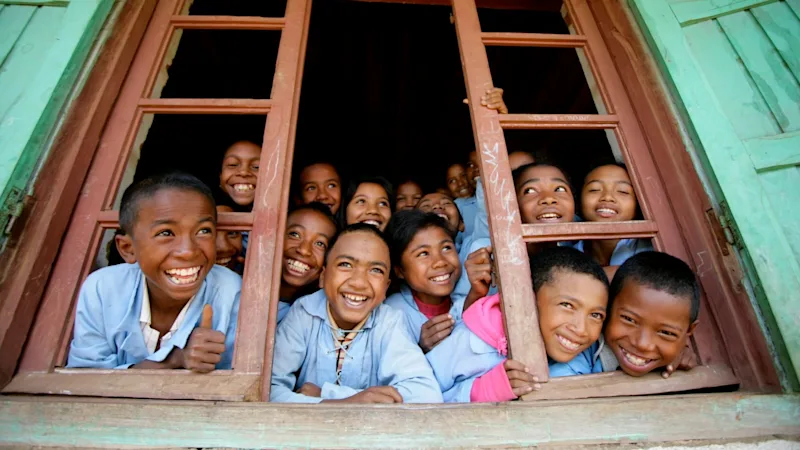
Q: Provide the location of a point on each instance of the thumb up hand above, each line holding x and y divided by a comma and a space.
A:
205, 346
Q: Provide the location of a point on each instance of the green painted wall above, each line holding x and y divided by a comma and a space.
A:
43, 47
734, 66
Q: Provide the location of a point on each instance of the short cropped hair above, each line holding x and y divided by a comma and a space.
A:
517, 173
404, 225
352, 187
317, 207
148, 187
355, 228
661, 272
546, 263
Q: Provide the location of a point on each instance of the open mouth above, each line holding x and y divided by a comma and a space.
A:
183, 276
354, 300
296, 267
224, 261
568, 344
372, 222
243, 187
441, 278
634, 360
548, 217
443, 216
606, 212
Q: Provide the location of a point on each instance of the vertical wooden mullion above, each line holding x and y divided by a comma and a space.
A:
74, 259
647, 181
519, 308
260, 290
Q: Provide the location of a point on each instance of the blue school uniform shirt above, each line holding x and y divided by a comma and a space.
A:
108, 333
404, 302
468, 207
625, 249
382, 354
463, 357
283, 309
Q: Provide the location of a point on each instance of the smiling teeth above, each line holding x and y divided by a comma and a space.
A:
442, 215
223, 261
605, 211
184, 276
547, 216
298, 266
355, 298
441, 278
567, 343
374, 223
244, 187
635, 360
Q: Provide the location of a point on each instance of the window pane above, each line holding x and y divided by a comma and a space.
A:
259, 8
537, 16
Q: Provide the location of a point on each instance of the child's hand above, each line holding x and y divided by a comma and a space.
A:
479, 272
686, 361
493, 99
374, 394
434, 330
522, 382
310, 389
205, 347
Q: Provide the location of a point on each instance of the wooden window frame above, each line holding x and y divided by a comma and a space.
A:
250, 379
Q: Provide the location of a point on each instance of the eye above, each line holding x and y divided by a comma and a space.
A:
384, 204
254, 167
234, 234
310, 188
232, 165
165, 233
594, 190
377, 270
321, 244
624, 192
360, 201
598, 316
205, 230
422, 254
344, 265
561, 189
293, 234
529, 190
332, 186
567, 305
627, 319
668, 334
447, 248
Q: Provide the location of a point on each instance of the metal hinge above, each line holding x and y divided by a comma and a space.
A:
724, 228
15, 204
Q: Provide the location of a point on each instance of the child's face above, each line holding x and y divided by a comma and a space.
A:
473, 169
519, 159
457, 182
240, 172
544, 196
321, 183
647, 328
229, 244
173, 240
307, 235
356, 277
572, 308
408, 195
608, 195
443, 206
430, 263
369, 205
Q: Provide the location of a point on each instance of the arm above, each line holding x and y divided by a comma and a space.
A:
290, 350
90, 347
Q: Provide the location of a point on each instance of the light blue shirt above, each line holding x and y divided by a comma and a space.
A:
468, 207
283, 309
108, 332
463, 357
404, 302
625, 249
382, 354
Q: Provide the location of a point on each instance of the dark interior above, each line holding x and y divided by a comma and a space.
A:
381, 94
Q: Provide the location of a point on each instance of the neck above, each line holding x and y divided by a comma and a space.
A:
602, 250
287, 291
429, 299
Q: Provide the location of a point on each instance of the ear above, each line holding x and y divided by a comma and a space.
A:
322, 278
398, 272
691, 328
125, 248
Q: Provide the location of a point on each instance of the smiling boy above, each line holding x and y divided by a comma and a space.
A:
655, 299
340, 344
170, 307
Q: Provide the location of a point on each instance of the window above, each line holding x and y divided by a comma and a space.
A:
148, 103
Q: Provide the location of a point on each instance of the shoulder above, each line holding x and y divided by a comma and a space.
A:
113, 279
397, 301
224, 278
314, 304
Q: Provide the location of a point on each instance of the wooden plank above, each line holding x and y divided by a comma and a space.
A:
694, 11
204, 106
155, 384
714, 262
52, 329
552, 232
651, 192
519, 312
13, 20
533, 40
771, 76
619, 384
228, 23
782, 28
234, 221
563, 424
558, 121
258, 318
777, 267
527, 5
775, 152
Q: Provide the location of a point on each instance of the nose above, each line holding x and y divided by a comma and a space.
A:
548, 199
322, 194
304, 248
438, 262
358, 279
372, 208
607, 196
578, 325
223, 244
643, 342
186, 247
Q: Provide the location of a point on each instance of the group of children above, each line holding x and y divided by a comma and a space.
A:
439, 334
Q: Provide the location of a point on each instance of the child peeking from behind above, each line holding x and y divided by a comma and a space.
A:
571, 296
170, 307
340, 344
